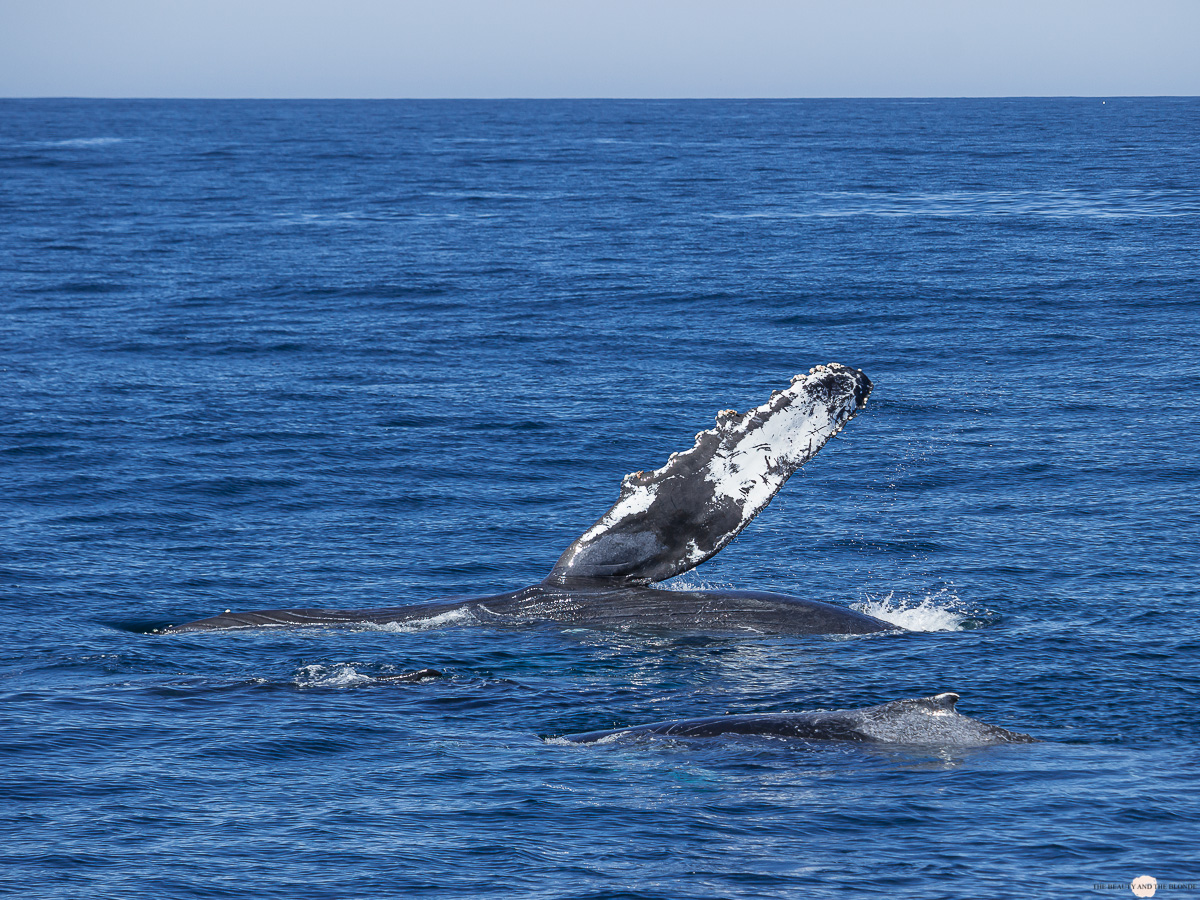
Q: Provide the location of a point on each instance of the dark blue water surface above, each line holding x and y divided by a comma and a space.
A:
343, 354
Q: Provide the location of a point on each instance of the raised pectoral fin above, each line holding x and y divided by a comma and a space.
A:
669, 521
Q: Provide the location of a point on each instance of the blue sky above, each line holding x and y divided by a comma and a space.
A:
614, 48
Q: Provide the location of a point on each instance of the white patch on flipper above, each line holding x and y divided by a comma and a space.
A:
745, 475
629, 506
783, 440
718, 485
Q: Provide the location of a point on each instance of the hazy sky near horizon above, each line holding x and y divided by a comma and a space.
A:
616, 48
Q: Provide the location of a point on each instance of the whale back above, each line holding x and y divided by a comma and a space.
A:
926, 720
670, 520
922, 721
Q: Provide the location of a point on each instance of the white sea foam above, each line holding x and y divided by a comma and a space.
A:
690, 581
338, 675
338, 218
461, 616
607, 739
1054, 204
83, 142
941, 612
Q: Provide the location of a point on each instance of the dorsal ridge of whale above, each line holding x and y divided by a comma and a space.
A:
917, 721
668, 521
944, 701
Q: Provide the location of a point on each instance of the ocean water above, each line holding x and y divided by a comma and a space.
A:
356, 354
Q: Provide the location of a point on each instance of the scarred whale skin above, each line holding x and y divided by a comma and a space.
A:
669, 521
664, 523
925, 720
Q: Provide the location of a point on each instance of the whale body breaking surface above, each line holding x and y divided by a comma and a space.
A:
663, 524
920, 721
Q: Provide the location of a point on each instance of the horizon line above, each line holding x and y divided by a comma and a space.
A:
656, 99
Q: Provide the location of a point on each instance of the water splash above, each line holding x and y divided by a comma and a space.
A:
942, 611
690, 581
441, 620
338, 675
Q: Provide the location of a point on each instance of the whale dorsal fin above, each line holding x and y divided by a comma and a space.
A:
669, 521
944, 701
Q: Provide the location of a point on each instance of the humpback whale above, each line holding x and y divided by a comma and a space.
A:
664, 523
922, 721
